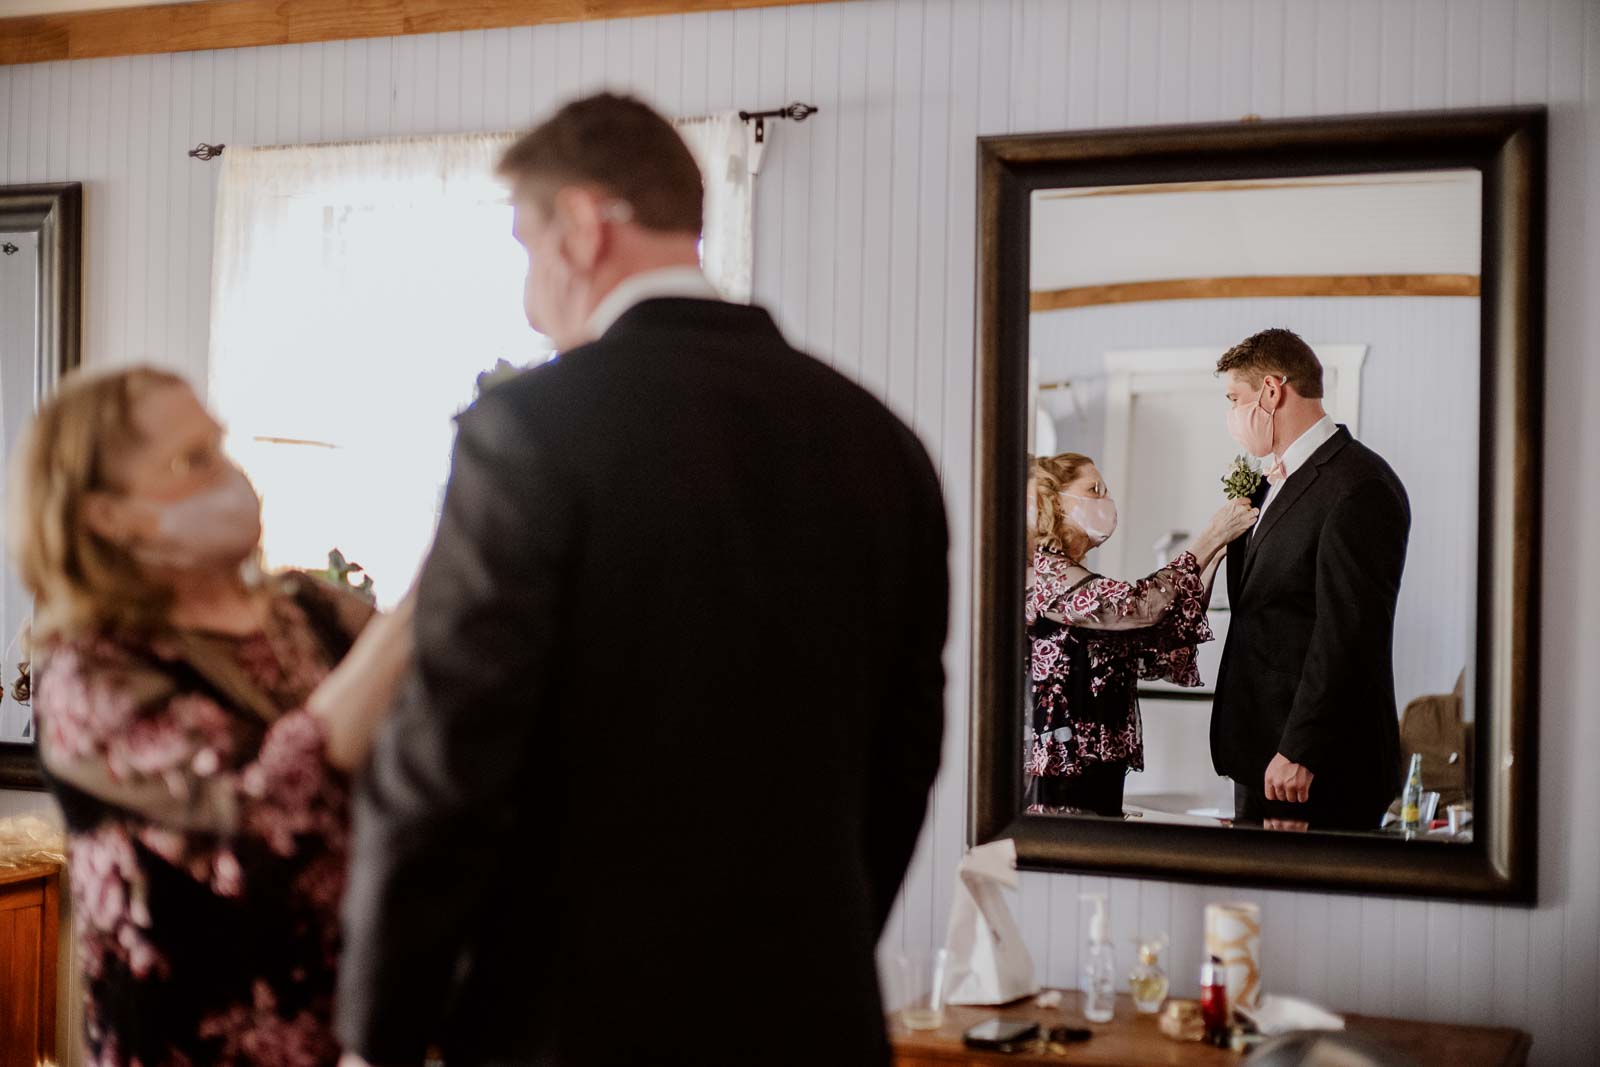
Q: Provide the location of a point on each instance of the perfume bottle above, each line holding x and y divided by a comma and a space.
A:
1147, 981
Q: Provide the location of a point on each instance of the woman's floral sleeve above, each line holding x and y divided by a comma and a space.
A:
1097, 603
1156, 622
111, 726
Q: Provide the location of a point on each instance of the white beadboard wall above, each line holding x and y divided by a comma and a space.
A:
865, 251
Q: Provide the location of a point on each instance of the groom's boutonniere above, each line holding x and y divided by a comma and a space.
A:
1242, 479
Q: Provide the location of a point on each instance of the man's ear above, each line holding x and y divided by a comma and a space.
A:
1280, 388
577, 211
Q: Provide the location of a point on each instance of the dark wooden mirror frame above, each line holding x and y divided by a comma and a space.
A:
55, 214
1508, 146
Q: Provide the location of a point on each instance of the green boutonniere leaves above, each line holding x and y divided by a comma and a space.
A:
1242, 479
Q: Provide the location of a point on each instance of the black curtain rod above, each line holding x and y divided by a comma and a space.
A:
797, 111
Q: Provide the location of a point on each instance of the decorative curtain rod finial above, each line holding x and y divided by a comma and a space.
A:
205, 151
797, 111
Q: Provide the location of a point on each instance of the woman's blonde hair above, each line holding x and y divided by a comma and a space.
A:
81, 582
1048, 477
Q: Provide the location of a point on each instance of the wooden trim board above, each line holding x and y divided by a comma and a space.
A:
248, 23
1264, 285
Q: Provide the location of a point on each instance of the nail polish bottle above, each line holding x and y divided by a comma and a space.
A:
1214, 999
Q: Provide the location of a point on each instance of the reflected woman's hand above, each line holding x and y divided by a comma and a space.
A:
1234, 519
1231, 522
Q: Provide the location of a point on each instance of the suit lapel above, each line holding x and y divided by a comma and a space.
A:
1292, 490
1257, 498
1239, 549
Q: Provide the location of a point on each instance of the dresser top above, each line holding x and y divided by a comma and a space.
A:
1133, 1040
31, 873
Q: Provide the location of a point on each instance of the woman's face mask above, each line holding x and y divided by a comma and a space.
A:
1096, 516
215, 527
179, 502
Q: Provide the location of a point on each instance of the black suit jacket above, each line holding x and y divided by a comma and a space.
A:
678, 705
1308, 667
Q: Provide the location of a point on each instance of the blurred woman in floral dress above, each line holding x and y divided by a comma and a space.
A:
191, 730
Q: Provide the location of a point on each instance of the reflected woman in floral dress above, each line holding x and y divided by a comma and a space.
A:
1091, 638
191, 730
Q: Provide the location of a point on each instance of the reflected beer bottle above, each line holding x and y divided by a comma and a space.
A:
1411, 800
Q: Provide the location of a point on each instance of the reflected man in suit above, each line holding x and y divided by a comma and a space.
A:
678, 699
1304, 719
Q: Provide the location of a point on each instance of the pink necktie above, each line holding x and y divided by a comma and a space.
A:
1276, 473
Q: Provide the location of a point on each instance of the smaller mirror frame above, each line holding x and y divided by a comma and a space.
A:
1508, 146
55, 214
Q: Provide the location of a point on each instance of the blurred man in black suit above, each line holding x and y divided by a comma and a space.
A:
658, 773
1304, 718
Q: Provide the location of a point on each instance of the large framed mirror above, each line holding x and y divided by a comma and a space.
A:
1256, 521
41, 234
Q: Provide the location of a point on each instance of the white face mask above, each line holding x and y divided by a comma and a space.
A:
1096, 516
216, 527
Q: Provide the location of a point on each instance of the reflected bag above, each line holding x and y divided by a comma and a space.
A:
1433, 726
989, 963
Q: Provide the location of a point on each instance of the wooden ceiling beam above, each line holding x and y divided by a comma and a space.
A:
248, 23
1266, 285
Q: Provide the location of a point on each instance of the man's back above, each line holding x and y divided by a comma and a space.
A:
693, 584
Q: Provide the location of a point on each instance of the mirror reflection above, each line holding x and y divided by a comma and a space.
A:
20, 358
1251, 502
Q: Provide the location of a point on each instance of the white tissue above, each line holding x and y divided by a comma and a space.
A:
989, 963
1282, 1015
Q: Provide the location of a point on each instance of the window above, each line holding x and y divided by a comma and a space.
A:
358, 291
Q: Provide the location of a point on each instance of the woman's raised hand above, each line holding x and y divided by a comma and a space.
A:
1234, 519
355, 698
1231, 520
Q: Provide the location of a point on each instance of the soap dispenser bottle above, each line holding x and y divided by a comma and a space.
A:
1100, 967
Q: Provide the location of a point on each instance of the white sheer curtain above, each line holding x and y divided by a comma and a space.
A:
357, 292
724, 147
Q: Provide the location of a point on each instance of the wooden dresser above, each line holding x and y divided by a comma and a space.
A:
1133, 1040
29, 915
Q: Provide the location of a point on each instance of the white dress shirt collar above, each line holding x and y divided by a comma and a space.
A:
1306, 445
1296, 455
683, 282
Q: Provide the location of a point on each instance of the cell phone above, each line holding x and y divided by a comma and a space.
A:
1001, 1035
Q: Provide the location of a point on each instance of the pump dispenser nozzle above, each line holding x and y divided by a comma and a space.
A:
1097, 922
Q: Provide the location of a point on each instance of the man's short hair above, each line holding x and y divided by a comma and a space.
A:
619, 144
1276, 351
